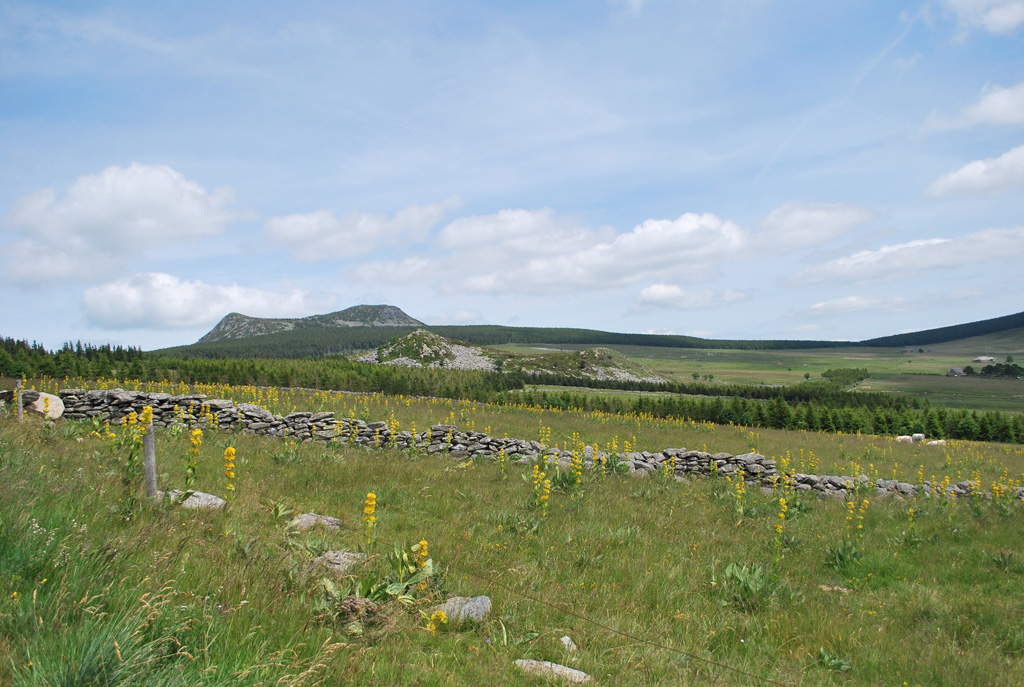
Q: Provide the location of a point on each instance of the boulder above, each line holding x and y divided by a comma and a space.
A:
340, 563
48, 405
552, 671
198, 499
461, 608
308, 521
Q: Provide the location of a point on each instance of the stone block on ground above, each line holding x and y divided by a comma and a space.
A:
308, 521
198, 499
552, 670
340, 563
48, 405
461, 608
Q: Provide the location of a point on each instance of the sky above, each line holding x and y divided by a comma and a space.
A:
738, 169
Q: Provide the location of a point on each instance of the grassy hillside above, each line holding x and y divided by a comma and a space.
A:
657, 582
952, 333
999, 344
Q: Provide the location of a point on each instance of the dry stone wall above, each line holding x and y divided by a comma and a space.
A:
195, 409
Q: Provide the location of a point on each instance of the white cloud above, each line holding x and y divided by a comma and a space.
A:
535, 251
105, 218
801, 224
691, 243
162, 301
322, 234
520, 233
850, 304
672, 296
983, 177
996, 16
997, 105
901, 260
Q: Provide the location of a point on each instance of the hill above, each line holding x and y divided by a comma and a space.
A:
955, 332
238, 326
365, 327
423, 348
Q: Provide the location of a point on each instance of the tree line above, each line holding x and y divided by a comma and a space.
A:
936, 422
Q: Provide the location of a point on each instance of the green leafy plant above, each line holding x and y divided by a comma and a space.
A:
842, 555
791, 541
798, 507
288, 455
745, 587
831, 662
1003, 559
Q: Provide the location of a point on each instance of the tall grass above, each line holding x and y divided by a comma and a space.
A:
676, 584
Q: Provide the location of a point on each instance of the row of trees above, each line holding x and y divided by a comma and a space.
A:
19, 357
1007, 369
888, 420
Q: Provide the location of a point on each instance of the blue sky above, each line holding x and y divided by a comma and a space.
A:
734, 169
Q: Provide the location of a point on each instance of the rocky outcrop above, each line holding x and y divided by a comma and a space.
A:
238, 326
197, 410
425, 349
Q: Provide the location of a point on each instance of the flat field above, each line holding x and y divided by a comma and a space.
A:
976, 393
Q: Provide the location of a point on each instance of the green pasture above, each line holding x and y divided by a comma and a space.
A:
771, 367
657, 582
920, 371
999, 345
977, 393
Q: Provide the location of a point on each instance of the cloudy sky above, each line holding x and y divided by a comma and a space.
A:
723, 168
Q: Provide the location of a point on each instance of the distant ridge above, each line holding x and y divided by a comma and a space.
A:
238, 326
361, 328
954, 332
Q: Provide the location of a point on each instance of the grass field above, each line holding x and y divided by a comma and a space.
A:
957, 392
921, 374
657, 582
777, 367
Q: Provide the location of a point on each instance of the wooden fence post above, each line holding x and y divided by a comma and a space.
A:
21, 405
149, 460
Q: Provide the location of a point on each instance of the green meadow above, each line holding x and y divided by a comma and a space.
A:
919, 371
656, 581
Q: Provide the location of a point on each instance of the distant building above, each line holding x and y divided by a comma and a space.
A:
985, 359
956, 372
